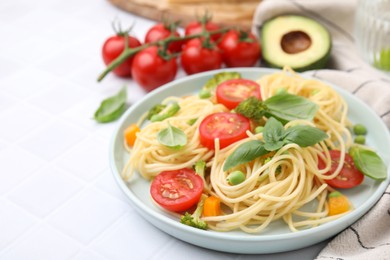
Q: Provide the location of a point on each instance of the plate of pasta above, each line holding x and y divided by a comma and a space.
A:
251, 160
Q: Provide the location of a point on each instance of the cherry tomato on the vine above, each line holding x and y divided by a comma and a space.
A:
113, 47
150, 70
195, 57
349, 175
195, 27
239, 49
162, 31
231, 92
177, 190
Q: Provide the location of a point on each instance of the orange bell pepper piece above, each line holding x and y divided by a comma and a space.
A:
212, 206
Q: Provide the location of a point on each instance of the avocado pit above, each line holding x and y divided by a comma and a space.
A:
295, 42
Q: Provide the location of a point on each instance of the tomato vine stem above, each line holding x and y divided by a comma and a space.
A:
128, 52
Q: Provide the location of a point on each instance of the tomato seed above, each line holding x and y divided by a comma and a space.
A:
174, 195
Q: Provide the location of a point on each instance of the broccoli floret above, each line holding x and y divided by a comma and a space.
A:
200, 168
155, 110
252, 108
193, 220
167, 111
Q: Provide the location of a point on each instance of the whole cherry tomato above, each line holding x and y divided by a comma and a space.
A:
195, 27
150, 70
239, 49
113, 47
195, 57
161, 31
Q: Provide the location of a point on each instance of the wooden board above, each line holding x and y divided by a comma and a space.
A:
224, 12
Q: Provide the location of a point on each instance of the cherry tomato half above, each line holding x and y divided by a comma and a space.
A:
195, 27
177, 190
231, 92
348, 177
113, 47
197, 58
161, 31
239, 49
150, 70
227, 127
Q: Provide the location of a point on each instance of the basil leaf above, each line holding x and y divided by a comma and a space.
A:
369, 163
287, 107
172, 137
273, 134
304, 135
112, 108
244, 153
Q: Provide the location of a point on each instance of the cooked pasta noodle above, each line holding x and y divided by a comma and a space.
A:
277, 185
149, 157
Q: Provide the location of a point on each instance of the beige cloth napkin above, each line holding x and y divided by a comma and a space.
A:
369, 237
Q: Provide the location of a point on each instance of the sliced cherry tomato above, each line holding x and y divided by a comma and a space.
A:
348, 177
150, 70
227, 127
195, 57
231, 92
239, 49
177, 190
113, 47
195, 27
161, 31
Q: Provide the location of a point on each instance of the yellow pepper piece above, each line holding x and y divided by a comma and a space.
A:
338, 203
130, 134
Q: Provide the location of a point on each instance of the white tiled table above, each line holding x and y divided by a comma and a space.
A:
58, 199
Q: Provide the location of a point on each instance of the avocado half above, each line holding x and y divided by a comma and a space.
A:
295, 41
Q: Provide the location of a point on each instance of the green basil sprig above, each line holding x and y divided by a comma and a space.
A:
172, 137
275, 137
285, 107
369, 163
112, 108
245, 153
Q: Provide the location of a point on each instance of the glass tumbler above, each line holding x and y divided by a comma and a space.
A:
372, 31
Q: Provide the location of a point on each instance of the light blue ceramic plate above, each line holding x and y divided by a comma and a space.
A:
277, 237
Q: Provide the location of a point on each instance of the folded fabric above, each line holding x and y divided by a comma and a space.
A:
369, 237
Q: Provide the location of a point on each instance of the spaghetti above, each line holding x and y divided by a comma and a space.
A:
277, 185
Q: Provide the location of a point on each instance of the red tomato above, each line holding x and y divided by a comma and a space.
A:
348, 177
196, 27
231, 92
228, 127
113, 47
197, 58
159, 32
239, 49
150, 70
177, 190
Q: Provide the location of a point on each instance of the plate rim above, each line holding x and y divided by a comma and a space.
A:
142, 208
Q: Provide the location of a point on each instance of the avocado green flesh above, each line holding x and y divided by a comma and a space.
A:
314, 57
